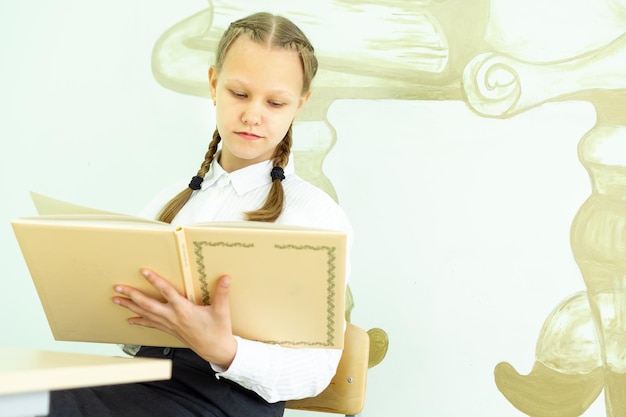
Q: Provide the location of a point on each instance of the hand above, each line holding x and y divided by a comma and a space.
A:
205, 329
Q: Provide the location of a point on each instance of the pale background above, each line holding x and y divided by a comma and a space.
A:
462, 222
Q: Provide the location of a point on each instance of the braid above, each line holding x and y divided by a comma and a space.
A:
273, 206
277, 32
283, 149
171, 209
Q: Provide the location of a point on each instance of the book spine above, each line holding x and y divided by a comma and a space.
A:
185, 265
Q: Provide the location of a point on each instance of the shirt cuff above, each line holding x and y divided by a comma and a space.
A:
250, 363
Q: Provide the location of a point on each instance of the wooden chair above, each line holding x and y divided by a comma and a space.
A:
346, 392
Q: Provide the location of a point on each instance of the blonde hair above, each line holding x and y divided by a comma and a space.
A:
278, 32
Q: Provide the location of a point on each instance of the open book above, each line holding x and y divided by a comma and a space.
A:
288, 283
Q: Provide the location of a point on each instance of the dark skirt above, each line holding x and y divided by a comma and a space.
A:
193, 391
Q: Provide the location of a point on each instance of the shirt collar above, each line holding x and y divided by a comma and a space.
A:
245, 179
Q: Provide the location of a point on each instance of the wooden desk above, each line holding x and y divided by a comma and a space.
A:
28, 376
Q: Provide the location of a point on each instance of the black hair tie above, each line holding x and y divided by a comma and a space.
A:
195, 183
277, 174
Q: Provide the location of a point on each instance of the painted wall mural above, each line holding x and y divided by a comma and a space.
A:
502, 58
571, 51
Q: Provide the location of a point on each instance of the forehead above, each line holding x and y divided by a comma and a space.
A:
262, 65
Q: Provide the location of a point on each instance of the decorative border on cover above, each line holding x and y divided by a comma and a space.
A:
330, 283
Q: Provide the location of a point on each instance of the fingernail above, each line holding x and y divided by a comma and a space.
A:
145, 273
118, 289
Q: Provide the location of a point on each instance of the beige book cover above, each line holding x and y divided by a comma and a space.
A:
288, 283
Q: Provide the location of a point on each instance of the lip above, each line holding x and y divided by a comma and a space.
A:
248, 135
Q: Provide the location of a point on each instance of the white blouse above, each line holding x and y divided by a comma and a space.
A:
276, 373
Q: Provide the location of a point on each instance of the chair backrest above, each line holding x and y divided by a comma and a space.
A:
346, 392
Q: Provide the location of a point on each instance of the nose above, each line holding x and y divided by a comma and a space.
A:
252, 115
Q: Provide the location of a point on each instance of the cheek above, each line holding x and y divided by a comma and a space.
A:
280, 130
221, 123
222, 115
286, 117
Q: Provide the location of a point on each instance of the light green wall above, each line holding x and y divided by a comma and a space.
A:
462, 222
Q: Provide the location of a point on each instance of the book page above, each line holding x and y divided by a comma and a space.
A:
48, 205
96, 220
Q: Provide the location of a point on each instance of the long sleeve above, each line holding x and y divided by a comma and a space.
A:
279, 373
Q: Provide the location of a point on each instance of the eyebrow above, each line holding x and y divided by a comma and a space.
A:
278, 91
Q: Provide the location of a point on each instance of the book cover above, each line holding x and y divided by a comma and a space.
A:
288, 283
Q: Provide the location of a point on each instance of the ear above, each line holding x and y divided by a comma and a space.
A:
213, 82
303, 101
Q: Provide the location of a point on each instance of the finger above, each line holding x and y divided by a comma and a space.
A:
142, 321
165, 288
138, 302
220, 302
145, 316
128, 303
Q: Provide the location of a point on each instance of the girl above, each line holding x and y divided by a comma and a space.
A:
260, 81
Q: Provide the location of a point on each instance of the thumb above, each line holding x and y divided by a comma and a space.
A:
220, 301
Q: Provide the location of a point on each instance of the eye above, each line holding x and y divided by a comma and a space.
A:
276, 103
238, 94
